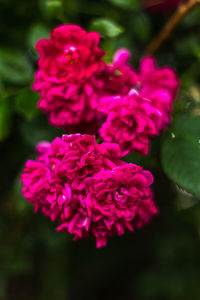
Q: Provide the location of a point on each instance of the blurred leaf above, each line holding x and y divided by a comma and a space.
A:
108, 47
192, 18
187, 103
123, 42
188, 126
126, 4
185, 199
2, 287
181, 154
20, 204
38, 129
2, 89
55, 263
106, 27
158, 284
190, 75
141, 27
26, 103
189, 44
37, 32
51, 8
5, 118
14, 67
18, 263
54, 4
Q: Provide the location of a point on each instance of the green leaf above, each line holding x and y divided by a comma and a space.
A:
37, 32
14, 67
5, 118
125, 4
51, 8
26, 103
187, 126
38, 129
180, 154
192, 18
187, 45
106, 27
141, 27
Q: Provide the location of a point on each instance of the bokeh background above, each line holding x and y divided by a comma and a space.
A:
160, 261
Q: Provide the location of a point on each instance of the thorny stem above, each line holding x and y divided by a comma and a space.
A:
182, 10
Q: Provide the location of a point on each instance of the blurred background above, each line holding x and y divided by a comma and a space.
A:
160, 261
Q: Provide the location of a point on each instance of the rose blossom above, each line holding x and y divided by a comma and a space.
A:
151, 78
119, 77
67, 77
61, 166
160, 86
70, 55
70, 106
116, 200
88, 188
43, 189
131, 121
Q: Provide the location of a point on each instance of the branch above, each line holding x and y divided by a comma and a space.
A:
164, 34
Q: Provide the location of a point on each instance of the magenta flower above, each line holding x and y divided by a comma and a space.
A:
70, 55
160, 85
69, 64
88, 188
163, 102
76, 157
153, 78
43, 189
112, 204
68, 106
119, 77
64, 164
72, 104
131, 121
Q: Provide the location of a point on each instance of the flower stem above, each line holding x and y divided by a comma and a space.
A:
182, 10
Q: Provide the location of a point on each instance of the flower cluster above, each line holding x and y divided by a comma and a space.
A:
75, 86
72, 77
88, 188
82, 184
133, 118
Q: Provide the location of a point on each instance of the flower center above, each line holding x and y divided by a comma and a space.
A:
119, 196
71, 54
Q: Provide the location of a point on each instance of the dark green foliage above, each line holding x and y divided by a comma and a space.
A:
106, 28
26, 103
181, 154
158, 262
